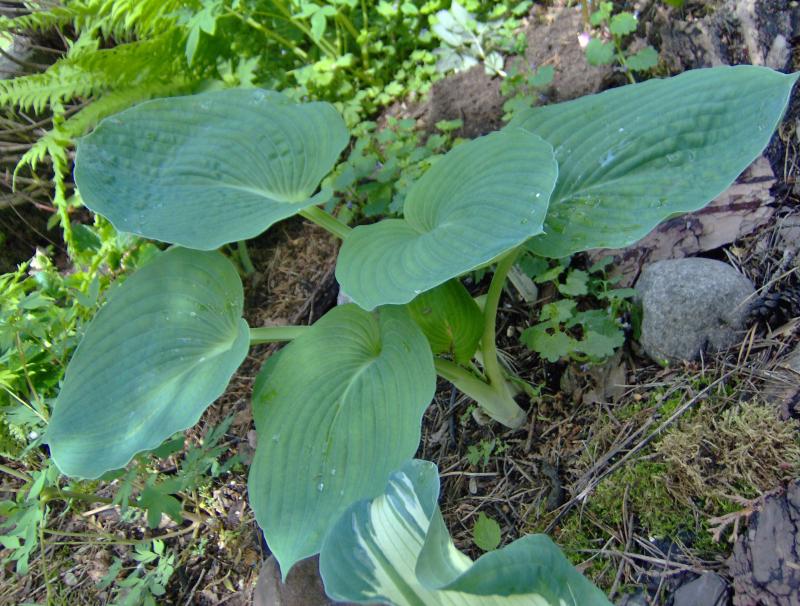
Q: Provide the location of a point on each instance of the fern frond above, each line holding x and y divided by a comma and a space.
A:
121, 19
142, 17
12, 439
62, 82
115, 101
53, 144
88, 74
38, 20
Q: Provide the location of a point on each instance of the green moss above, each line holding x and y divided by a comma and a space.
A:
656, 511
723, 450
648, 498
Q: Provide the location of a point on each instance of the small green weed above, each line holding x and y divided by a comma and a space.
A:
523, 85
486, 533
608, 45
146, 581
467, 42
383, 164
478, 454
565, 331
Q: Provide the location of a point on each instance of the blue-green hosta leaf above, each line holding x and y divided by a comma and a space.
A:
208, 169
395, 549
161, 350
632, 156
479, 201
451, 320
338, 412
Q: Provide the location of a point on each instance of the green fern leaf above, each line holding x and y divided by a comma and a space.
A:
88, 74
122, 20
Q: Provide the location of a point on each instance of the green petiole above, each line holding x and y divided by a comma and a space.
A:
326, 221
272, 334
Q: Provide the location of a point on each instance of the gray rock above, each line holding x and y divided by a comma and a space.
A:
708, 589
765, 565
691, 305
303, 585
634, 599
20, 49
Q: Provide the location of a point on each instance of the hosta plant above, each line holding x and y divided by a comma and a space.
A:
338, 410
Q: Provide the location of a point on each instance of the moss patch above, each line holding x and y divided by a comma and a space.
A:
740, 452
708, 464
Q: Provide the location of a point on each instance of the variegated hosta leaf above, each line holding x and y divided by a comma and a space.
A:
336, 413
161, 350
451, 320
632, 156
395, 549
208, 169
481, 200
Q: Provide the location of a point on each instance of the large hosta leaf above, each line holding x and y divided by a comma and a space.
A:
451, 320
162, 349
338, 412
395, 549
481, 200
211, 168
632, 156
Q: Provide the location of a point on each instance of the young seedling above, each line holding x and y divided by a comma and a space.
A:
339, 409
618, 28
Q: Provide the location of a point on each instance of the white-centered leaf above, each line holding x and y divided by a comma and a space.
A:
208, 169
632, 156
395, 549
338, 411
479, 201
161, 350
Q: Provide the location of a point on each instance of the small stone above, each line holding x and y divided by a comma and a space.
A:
342, 298
690, 306
708, 589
